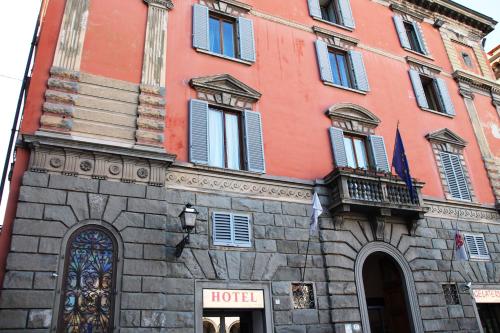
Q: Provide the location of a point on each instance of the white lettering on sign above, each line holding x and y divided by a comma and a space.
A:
486, 295
233, 299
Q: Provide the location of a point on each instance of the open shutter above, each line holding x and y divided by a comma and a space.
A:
222, 229
247, 41
445, 96
418, 89
420, 37
400, 28
457, 184
482, 248
254, 142
339, 153
476, 245
314, 8
471, 246
379, 153
346, 13
198, 131
325, 69
358, 68
200, 27
241, 227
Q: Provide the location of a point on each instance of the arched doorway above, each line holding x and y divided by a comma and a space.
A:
386, 291
385, 295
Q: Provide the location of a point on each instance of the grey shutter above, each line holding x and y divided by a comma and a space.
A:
346, 13
476, 246
400, 28
254, 142
379, 153
241, 227
198, 131
482, 248
420, 37
222, 231
445, 96
418, 89
457, 184
358, 68
314, 8
471, 246
339, 153
247, 41
200, 27
325, 69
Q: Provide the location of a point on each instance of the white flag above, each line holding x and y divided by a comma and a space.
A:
316, 212
460, 253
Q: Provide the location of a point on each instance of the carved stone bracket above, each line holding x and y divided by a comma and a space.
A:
378, 226
165, 4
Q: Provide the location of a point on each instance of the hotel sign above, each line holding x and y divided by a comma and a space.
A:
233, 299
486, 295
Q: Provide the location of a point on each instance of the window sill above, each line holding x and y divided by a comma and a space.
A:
333, 24
478, 259
345, 88
419, 54
248, 63
438, 113
227, 170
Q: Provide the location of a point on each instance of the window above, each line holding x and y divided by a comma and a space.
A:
231, 229
476, 247
450, 292
89, 282
338, 12
303, 296
431, 93
467, 60
455, 176
226, 139
342, 68
356, 152
223, 35
410, 34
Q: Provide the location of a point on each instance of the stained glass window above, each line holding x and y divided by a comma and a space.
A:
87, 301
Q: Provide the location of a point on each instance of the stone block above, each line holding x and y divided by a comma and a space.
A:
296, 234
147, 206
39, 228
97, 204
179, 197
247, 205
302, 222
205, 263
282, 303
305, 316
424, 264
345, 315
339, 261
339, 248
344, 301
286, 246
287, 274
455, 311
122, 189
134, 251
433, 222
24, 244
35, 179
156, 193
321, 329
426, 232
431, 276
213, 201
233, 261
29, 210
265, 245
130, 318
178, 270
144, 267
49, 245
272, 207
259, 231
44, 280
341, 288
219, 263
114, 207
80, 205
294, 209
18, 280
31, 262
434, 312
290, 329
138, 301
173, 286
12, 319
263, 219
468, 324
60, 213
156, 252
72, 183
340, 274
277, 260
479, 227
247, 260
416, 252
156, 222
180, 303
42, 195
447, 325
275, 232
428, 288
282, 317
132, 283
168, 319
282, 288
261, 261
39, 318
127, 219
284, 221
26, 299
439, 244
146, 236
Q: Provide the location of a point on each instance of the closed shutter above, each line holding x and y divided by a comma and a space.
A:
418, 89
358, 68
420, 37
346, 13
379, 153
254, 143
400, 28
242, 230
198, 131
445, 96
476, 246
200, 27
247, 41
455, 176
339, 153
314, 8
325, 69
222, 229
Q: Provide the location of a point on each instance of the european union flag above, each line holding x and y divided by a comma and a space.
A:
400, 164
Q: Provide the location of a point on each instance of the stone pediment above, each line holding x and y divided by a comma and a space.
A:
352, 117
446, 136
224, 83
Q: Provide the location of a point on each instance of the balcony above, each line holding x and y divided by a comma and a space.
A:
376, 194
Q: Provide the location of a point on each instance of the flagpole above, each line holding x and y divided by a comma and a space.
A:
454, 244
305, 263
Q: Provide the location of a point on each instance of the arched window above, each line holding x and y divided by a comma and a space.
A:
87, 298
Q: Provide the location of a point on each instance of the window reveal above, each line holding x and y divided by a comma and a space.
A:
330, 11
412, 37
222, 36
431, 93
467, 60
224, 139
340, 68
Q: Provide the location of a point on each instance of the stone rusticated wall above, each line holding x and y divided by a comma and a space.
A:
158, 291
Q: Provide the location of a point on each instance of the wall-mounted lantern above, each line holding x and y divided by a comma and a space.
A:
188, 222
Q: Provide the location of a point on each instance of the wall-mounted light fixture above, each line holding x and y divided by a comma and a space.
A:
188, 222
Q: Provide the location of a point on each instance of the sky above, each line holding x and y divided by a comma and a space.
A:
17, 23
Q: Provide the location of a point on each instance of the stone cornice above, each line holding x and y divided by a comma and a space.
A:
461, 210
403, 9
334, 34
166, 4
476, 81
446, 136
225, 83
419, 62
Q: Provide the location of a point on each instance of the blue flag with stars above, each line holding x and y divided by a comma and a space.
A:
400, 164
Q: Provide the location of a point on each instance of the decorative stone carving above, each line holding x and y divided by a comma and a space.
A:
335, 39
85, 166
56, 162
142, 173
471, 213
165, 4
378, 226
353, 117
229, 7
114, 169
446, 136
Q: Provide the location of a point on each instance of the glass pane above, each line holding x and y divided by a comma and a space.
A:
215, 138
215, 35
349, 150
88, 290
333, 65
361, 153
332, 17
228, 39
344, 74
232, 141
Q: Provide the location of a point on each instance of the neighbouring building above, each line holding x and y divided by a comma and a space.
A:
138, 109
494, 57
